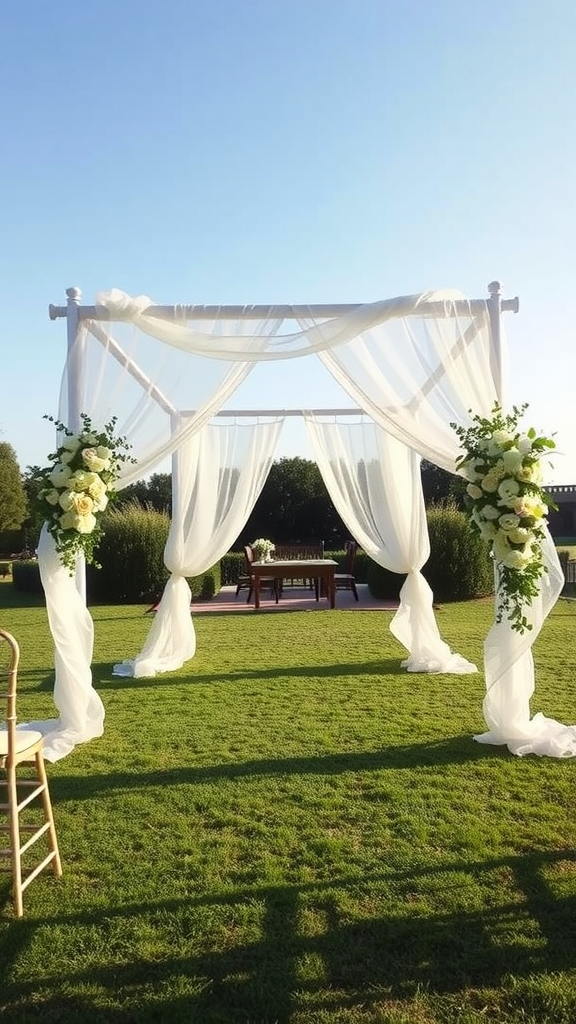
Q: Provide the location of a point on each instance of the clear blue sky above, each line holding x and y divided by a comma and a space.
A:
287, 151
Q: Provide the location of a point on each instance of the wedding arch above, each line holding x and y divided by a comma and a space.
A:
412, 365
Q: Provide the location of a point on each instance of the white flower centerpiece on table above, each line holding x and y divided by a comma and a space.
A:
74, 491
263, 549
507, 504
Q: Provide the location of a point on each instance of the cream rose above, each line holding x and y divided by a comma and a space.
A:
97, 459
82, 481
473, 491
490, 483
508, 522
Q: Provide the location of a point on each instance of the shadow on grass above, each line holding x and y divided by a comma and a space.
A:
456, 750
104, 680
364, 963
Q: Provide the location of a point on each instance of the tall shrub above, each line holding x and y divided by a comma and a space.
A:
131, 554
459, 567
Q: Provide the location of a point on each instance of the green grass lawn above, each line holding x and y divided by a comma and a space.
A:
293, 830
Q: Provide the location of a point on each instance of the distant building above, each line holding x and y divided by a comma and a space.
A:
563, 522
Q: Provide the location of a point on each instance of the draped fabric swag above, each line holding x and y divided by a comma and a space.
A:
413, 365
375, 484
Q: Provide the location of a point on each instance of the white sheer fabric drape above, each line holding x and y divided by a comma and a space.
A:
509, 669
375, 484
80, 709
217, 476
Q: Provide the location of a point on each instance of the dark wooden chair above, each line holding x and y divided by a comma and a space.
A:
346, 580
246, 581
298, 552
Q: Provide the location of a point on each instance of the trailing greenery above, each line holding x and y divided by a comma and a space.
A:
292, 829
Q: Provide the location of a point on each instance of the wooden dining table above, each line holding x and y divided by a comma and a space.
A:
321, 569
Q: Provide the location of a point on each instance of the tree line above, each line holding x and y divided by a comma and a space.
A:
293, 507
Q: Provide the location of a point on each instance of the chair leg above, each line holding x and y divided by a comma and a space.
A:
49, 816
354, 591
14, 832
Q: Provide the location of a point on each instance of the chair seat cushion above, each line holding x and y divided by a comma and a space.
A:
24, 738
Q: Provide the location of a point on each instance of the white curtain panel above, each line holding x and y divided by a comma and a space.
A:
509, 670
417, 374
81, 712
217, 477
375, 484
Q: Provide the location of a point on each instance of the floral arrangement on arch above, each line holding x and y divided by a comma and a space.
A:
507, 504
74, 491
263, 549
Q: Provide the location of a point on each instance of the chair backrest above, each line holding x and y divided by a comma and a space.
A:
249, 556
299, 551
350, 562
11, 657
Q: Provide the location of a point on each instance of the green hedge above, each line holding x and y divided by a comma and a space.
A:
26, 577
131, 554
459, 567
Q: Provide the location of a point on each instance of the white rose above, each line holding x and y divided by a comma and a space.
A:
60, 475
471, 469
508, 489
80, 523
489, 512
512, 460
508, 522
52, 497
81, 481
66, 501
531, 473
488, 531
516, 559
502, 437
524, 444
101, 502
71, 443
97, 488
86, 523
521, 535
